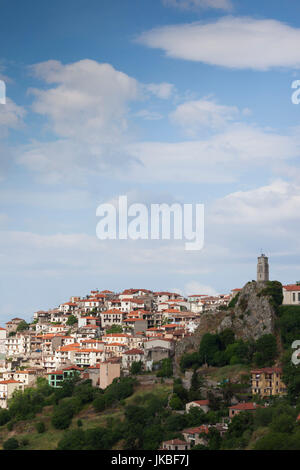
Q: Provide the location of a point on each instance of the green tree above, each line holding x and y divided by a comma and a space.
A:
72, 320
4, 416
189, 360
40, 427
175, 402
283, 423
72, 440
114, 329
277, 441
136, 368
227, 337
166, 369
22, 326
99, 403
266, 350
10, 444
210, 344
62, 416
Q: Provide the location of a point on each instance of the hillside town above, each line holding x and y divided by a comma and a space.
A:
102, 336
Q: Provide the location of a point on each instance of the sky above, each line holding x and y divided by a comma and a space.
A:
164, 101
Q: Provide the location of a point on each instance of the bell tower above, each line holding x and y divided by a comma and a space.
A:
262, 268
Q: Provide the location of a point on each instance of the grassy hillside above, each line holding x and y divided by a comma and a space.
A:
25, 431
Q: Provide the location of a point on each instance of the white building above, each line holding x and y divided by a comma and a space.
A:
291, 294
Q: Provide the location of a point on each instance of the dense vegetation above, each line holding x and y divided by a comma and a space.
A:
222, 349
268, 428
274, 290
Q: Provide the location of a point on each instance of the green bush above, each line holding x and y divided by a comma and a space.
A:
4, 416
166, 369
11, 444
233, 301
10, 426
274, 290
99, 403
40, 427
136, 368
62, 416
176, 403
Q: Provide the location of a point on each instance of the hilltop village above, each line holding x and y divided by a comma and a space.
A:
103, 331
106, 337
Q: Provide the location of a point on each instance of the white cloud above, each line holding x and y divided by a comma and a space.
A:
162, 90
194, 287
11, 117
219, 158
89, 100
270, 206
198, 114
149, 115
60, 200
195, 4
235, 42
87, 106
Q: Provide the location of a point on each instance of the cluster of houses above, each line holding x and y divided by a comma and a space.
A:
98, 336
265, 382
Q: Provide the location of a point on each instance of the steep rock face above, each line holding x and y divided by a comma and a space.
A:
252, 316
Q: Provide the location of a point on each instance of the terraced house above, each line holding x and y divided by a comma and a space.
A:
267, 382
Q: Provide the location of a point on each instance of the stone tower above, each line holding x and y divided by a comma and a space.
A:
262, 268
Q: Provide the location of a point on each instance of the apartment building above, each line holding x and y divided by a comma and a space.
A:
7, 388
267, 382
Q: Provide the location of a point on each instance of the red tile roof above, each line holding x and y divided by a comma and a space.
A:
11, 381
198, 430
134, 351
292, 287
175, 442
201, 402
267, 370
244, 406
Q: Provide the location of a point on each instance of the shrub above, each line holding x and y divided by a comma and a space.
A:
166, 368
4, 417
176, 403
40, 427
62, 416
233, 301
72, 440
274, 290
72, 320
10, 426
11, 444
99, 403
136, 368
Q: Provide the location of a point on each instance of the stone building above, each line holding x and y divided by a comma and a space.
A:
262, 268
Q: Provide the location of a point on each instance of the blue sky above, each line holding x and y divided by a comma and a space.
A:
183, 101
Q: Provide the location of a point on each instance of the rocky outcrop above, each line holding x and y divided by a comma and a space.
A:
252, 316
